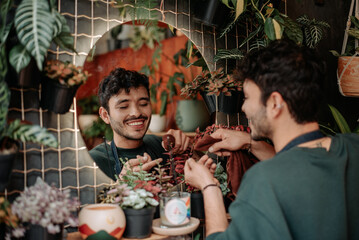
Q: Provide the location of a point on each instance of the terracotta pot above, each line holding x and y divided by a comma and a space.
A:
102, 221
348, 76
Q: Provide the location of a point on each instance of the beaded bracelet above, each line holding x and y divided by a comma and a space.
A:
210, 185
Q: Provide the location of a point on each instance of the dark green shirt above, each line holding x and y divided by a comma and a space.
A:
106, 161
302, 193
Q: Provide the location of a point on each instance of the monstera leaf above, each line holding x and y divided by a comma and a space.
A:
34, 25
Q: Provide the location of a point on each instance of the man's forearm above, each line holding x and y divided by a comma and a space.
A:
262, 150
216, 218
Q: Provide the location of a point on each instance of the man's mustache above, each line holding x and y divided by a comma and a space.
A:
136, 118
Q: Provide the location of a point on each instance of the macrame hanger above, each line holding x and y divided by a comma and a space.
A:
345, 41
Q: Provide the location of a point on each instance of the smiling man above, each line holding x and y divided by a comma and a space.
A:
125, 105
310, 188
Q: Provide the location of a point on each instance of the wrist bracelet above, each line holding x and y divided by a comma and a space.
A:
210, 185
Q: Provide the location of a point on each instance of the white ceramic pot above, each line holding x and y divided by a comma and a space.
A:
158, 123
86, 120
101, 221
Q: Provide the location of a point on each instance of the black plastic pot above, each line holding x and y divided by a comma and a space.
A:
37, 232
197, 205
6, 164
227, 104
56, 97
138, 222
28, 77
210, 12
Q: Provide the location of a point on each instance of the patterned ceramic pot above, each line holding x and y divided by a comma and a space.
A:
101, 222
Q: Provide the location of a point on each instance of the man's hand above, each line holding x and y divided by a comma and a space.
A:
144, 163
231, 140
200, 174
182, 141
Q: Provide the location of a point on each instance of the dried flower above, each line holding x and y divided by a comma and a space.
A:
215, 82
65, 73
46, 206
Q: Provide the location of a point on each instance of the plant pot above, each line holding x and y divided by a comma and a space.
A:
197, 205
191, 114
158, 123
86, 120
56, 97
139, 222
348, 76
210, 12
101, 222
6, 164
227, 104
37, 232
29, 77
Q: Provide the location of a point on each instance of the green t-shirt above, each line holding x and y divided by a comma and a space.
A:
105, 160
302, 193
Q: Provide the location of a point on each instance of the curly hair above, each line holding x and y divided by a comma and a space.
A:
120, 79
295, 72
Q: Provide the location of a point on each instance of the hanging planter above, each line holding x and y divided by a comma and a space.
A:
348, 76
56, 97
6, 163
138, 222
222, 103
60, 85
28, 77
348, 66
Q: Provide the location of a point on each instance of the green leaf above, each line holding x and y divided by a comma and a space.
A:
292, 29
234, 53
189, 49
164, 97
4, 104
339, 119
240, 8
31, 133
62, 33
34, 26
3, 61
355, 21
199, 63
5, 23
335, 53
19, 57
269, 29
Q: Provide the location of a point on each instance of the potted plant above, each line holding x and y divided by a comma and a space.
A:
43, 210
94, 134
27, 28
265, 23
88, 111
14, 131
348, 60
8, 221
137, 195
220, 91
59, 86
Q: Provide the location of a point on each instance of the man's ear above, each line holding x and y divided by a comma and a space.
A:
104, 115
275, 103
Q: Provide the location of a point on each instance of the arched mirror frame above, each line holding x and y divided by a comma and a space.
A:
70, 165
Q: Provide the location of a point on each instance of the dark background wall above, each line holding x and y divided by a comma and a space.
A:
334, 12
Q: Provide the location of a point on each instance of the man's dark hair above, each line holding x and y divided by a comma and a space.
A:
120, 79
293, 71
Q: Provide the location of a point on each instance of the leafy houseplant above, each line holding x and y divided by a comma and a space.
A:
137, 194
46, 206
60, 85
35, 25
8, 220
219, 91
265, 23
